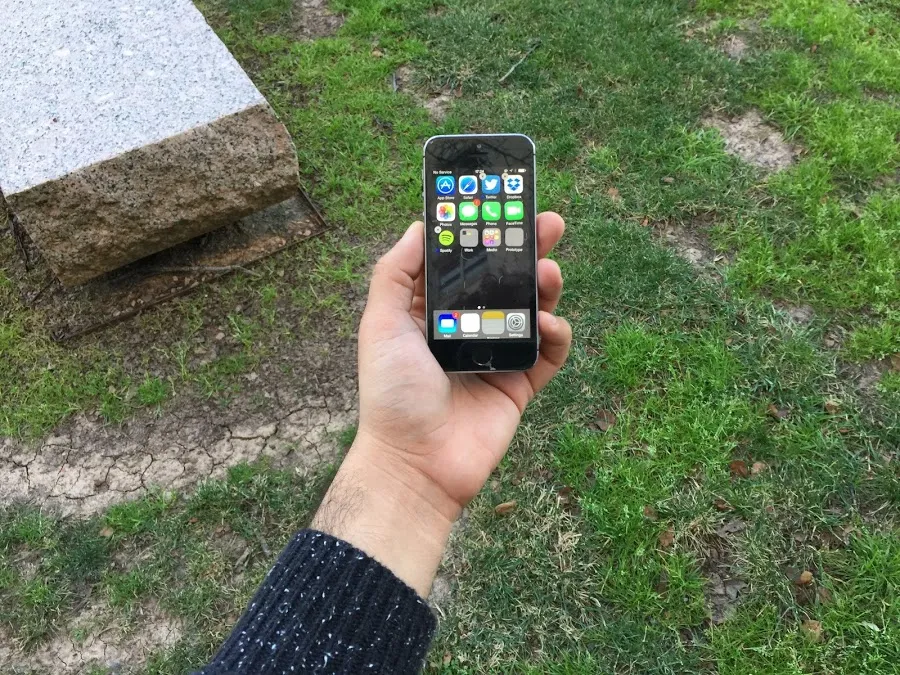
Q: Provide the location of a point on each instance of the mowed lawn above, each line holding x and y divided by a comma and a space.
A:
707, 487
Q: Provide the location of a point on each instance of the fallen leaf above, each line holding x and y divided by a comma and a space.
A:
814, 48
777, 413
106, 532
668, 180
770, 509
606, 420
721, 505
895, 362
738, 468
193, 520
613, 194
448, 657
377, 53
495, 485
805, 578
812, 630
667, 538
650, 513
645, 222
824, 595
832, 407
505, 508
844, 430
871, 30
758, 468
579, 91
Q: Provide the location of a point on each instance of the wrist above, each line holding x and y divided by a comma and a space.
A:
390, 510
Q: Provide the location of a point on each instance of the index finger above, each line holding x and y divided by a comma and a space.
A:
550, 228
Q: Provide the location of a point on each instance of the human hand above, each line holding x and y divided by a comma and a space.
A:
428, 440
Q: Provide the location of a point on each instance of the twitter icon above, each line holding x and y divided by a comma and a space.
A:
490, 185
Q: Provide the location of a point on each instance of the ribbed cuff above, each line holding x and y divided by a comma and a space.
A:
327, 607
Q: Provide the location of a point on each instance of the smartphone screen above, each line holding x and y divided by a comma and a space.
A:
480, 252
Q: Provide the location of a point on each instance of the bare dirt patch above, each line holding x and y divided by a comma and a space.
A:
436, 103
690, 241
291, 416
311, 19
723, 588
754, 141
800, 314
108, 643
442, 589
867, 374
735, 47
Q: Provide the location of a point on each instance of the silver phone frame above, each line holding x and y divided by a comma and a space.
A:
537, 297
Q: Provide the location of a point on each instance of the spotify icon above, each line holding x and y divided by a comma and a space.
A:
446, 238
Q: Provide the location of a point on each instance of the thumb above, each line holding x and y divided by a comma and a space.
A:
394, 278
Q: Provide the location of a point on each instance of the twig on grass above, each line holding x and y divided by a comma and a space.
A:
263, 545
520, 61
194, 269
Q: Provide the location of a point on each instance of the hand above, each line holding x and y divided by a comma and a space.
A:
428, 441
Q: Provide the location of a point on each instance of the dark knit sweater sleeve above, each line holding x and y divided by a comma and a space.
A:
327, 607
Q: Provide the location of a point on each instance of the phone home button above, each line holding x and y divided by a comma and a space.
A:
482, 355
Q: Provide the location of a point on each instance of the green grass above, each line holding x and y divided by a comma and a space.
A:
198, 558
576, 579
828, 73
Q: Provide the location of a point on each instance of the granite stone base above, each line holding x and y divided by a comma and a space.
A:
128, 128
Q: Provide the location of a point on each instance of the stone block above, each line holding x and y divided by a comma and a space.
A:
127, 127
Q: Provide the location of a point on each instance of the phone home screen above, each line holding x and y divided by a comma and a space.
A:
480, 246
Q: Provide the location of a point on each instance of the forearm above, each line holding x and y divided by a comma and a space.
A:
347, 596
390, 511
326, 607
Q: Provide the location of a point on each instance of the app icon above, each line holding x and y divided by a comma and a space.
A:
468, 185
515, 322
490, 236
468, 237
446, 211
446, 323
513, 184
445, 185
470, 323
492, 323
468, 211
513, 211
446, 238
515, 236
490, 185
490, 210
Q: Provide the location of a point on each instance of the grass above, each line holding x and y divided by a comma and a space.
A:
828, 75
197, 559
605, 566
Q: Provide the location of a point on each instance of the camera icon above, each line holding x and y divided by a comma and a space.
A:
515, 322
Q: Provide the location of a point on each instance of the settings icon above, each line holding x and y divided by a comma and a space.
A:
515, 322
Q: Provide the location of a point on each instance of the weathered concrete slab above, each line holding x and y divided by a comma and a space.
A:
126, 127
